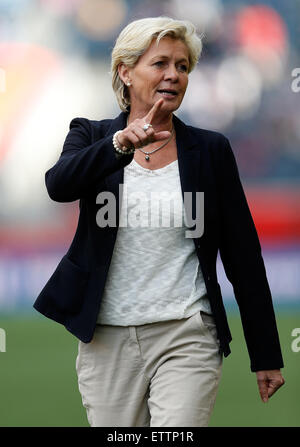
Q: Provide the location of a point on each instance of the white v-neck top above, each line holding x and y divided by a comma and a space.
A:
154, 273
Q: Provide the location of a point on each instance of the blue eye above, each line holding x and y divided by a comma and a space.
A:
183, 67
180, 67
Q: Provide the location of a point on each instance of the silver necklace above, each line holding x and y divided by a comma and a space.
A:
147, 153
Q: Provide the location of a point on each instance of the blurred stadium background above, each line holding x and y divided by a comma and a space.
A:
54, 66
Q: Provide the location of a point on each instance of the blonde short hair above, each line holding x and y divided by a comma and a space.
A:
136, 38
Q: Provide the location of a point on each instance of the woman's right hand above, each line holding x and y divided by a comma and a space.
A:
135, 135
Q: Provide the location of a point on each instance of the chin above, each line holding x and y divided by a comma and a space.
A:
170, 106
173, 108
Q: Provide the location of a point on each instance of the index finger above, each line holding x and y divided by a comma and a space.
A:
150, 115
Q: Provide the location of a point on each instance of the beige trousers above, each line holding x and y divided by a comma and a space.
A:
163, 374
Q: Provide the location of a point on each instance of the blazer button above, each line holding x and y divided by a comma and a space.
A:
208, 278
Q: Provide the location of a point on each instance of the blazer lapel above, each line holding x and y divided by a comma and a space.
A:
117, 178
189, 166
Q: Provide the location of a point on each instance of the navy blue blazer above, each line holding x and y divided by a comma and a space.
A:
88, 165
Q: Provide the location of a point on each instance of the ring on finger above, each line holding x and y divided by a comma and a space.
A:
146, 126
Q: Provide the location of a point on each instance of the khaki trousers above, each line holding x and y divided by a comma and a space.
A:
163, 374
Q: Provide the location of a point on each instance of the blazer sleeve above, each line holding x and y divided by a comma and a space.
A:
241, 256
82, 165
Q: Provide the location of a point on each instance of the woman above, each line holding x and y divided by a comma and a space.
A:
139, 291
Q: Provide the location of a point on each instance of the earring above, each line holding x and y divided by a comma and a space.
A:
128, 84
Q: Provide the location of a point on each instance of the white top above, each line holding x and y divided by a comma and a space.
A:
154, 273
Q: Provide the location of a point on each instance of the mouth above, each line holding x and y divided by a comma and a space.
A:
167, 93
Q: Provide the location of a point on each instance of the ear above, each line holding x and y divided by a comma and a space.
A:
123, 71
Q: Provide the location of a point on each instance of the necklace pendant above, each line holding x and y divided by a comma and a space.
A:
147, 158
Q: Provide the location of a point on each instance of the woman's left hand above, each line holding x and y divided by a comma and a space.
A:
269, 382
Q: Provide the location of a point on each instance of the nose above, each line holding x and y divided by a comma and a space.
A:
171, 73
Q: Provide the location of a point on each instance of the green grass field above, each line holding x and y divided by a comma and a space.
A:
38, 383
